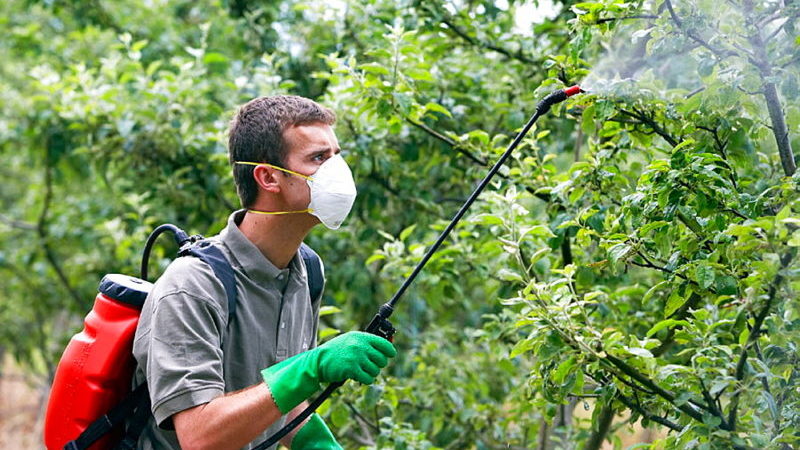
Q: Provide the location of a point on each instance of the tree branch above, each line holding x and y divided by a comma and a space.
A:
722, 146
761, 60
19, 224
634, 406
604, 419
487, 45
439, 136
642, 117
446, 140
41, 229
637, 16
754, 332
719, 53
661, 392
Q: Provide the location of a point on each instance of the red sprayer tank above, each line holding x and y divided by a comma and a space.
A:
96, 369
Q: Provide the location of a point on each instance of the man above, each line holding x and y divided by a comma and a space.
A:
223, 383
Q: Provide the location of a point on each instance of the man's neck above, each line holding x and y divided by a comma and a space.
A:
277, 236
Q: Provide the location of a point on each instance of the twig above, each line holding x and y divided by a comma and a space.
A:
711, 403
19, 224
638, 408
794, 60
446, 140
361, 417
754, 332
722, 146
652, 124
720, 54
542, 196
661, 392
604, 419
779, 129
695, 92
463, 35
637, 16
41, 228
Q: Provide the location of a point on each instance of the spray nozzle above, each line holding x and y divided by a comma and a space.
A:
557, 97
570, 91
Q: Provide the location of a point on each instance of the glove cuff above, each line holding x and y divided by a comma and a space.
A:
292, 381
315, 435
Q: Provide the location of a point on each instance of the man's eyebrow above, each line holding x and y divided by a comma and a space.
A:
323, 149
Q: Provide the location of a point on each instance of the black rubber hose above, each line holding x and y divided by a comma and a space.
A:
180, 238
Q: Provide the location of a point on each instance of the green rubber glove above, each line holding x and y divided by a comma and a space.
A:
355, 355
315, 435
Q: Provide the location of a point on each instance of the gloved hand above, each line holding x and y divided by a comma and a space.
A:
355, 355
315, 435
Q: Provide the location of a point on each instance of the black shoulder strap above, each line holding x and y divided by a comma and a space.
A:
314, 270
213, 256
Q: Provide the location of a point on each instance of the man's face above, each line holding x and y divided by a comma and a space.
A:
308, 146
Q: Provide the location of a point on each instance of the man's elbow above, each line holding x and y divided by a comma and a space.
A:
191, 433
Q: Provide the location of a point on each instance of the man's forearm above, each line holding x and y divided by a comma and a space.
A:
228, 422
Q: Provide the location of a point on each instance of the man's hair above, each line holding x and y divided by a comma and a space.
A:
256, 135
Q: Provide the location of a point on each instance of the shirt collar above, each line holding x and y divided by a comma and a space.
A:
249, 257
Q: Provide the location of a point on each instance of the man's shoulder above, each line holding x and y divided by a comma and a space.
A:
189, 276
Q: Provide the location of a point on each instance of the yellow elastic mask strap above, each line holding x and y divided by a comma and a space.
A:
248, 163
280, 212
308, 210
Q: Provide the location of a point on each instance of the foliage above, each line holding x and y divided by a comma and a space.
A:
636, 254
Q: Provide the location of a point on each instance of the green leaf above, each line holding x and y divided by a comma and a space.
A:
643, 352
563, 369
407, 232
520, 348
652, 226
214, 58
487, 219
374, 257
668, 323
650, 292
537, 230
704, 275
327, 332
683, 144
438, 108
619, 252
375, 68
675, 301
509, 275
419, 74
328, 310
744, 336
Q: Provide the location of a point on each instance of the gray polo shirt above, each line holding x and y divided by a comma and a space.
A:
190, 353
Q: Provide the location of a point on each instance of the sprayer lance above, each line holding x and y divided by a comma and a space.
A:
380, 322
380, 325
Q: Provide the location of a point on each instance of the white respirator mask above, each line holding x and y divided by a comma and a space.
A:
333, 191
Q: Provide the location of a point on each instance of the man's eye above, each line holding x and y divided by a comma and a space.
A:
319, 157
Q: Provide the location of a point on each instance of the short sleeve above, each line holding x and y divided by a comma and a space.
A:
179, 350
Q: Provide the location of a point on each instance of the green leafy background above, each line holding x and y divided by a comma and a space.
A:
635, 257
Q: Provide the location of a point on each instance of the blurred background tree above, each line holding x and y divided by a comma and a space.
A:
636, 259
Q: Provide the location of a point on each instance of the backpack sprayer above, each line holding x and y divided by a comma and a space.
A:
380, 325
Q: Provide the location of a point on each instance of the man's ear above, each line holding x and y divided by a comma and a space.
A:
267, 178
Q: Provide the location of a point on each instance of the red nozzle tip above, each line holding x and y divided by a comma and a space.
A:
570, 91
